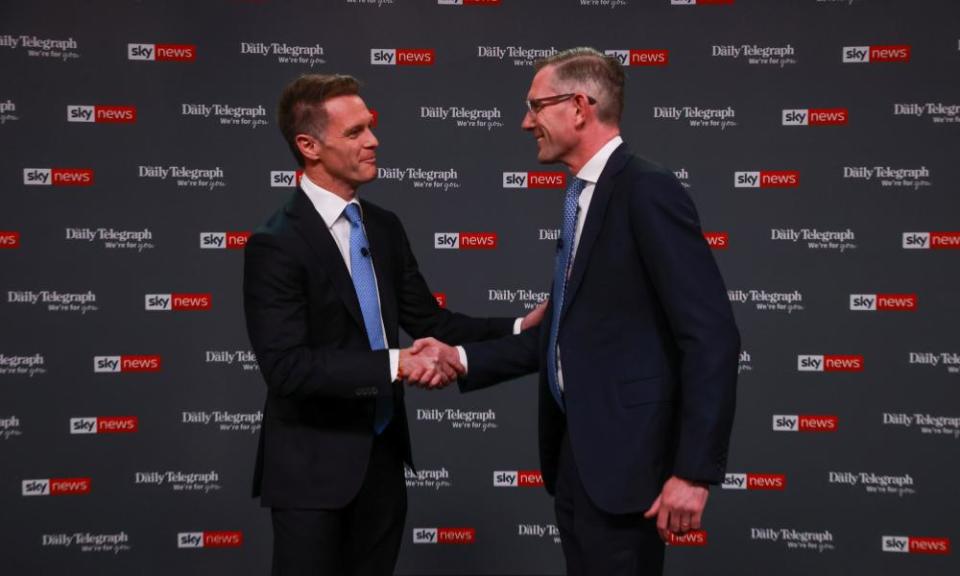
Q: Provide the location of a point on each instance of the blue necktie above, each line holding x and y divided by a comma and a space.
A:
365, 284
560, 273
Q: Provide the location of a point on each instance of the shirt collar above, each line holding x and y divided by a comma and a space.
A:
592, 169
328, 205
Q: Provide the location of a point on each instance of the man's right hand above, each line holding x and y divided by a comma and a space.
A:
430, 363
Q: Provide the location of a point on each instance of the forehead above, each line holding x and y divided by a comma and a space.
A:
346, 110
542, 83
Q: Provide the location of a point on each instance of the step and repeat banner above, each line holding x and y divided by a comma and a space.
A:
819, 139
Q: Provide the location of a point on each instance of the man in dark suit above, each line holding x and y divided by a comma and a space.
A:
638, 353
327, 282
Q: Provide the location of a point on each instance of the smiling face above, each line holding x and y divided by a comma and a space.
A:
554, 126
346, 151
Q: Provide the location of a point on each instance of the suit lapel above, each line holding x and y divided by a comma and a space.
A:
383, 264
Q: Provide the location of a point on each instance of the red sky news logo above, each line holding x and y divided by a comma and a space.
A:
691, 538
805, 423
931, 240
58, 176
285, 178
883, 302
717, 240
102, 114
767, 179
104, 425
177, 302
534, 180
444, 535
218, 539
752, 481
224, 240
55, 486
815, 117
9, 239
403, 56
829, 363
866, 54
517, 478
126, 363
641, 57
162, 52
465, 240
916, 545
441, 299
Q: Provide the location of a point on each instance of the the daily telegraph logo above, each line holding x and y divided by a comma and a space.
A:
767, 179
717, 240
102, 114
476, 420
88, 542
693, 538
10, 427
9, 239
876, 54
444, 535
112, 239
938, 112
815, 117
805, 423
433, 479
185, 177
517, 478
22, 365
303, 55
535, 180
815, 239
245, 359
640, 57
745, 362
698, 117
210, 539
104, 425
465, 240
403, 56
830, 363
58, 176
36, 47
518, 55
55, 486
180, 481
949, 360
448, 179
529, 299
754, 481
819, 541
872, 483
8, 111
925, 423
768, 301
225, 421
543, 531
915, 544
228, 114
931, 240
127, 363
755, 54
224, 240
888, 176
683, 175
285, 178
883, 302
162, 52
177, 302
55, 301
488, 118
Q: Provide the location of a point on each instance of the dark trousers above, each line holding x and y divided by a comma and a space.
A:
361, 539
595, 542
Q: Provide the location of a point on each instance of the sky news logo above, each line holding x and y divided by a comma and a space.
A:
403, 56
126, 363
517, 478
218, 539
104, 425
717, 240
915, 545
162, 52
931, 240
58, 176
750, 481
224, 240
815, 117
441, 299
102, 114
177, 302
767, 179
285, 178
9, 239
805, 423
875, 54
444, 535
829, 363
465, 240
691, 538
883, 302
640, 57
55, 486
534, 180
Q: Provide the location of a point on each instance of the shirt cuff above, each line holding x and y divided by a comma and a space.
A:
516, 326
463, 357
394, 364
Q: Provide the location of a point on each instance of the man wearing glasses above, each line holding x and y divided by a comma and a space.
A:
638, 349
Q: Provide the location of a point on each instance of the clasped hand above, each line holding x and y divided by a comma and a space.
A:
430, 364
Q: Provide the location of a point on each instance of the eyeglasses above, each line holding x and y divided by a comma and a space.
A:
535, 105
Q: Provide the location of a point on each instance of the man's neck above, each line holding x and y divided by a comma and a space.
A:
319, 176
589, 145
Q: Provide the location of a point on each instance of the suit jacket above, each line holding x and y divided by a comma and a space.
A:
648, 346
305, 325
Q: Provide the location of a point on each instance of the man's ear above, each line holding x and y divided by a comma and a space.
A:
308, 145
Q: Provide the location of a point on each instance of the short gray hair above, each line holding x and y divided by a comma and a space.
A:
589, 68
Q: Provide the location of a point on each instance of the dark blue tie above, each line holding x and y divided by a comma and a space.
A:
365, 284
560, 273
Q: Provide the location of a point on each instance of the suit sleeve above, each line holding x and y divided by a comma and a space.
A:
275, 304
688, 284
495, 361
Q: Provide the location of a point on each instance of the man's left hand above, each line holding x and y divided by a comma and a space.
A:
679, 507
